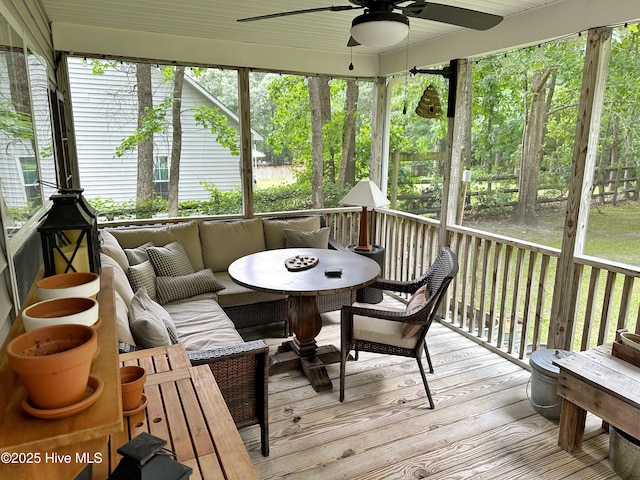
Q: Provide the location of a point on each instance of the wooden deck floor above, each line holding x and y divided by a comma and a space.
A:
483, 426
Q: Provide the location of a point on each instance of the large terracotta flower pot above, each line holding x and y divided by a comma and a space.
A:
73, 284
54, 363
132, 380
76, 310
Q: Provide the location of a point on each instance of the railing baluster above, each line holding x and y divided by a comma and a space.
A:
517, 282
606, 308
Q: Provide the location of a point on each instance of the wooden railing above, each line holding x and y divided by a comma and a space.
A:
503, 292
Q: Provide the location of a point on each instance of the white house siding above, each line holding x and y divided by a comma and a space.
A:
105, 112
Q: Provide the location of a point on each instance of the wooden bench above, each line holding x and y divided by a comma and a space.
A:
597, 382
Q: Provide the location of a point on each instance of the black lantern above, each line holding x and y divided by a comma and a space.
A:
144, 458
69, 234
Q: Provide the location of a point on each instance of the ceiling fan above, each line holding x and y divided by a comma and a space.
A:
380, 26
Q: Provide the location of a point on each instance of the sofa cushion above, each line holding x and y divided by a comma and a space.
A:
313, 239
186, 232
139, 254
234, 295
149, 321
224, 242
109, 246
122, 321
202, 324
170, 260
169, 289
274, 229
120, 280
143, 275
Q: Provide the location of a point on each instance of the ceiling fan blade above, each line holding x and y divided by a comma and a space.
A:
338, 8
352, 42
462, 17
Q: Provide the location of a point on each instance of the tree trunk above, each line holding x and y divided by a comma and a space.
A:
347, 173
145, 148
317, 144
532, 149
176, 143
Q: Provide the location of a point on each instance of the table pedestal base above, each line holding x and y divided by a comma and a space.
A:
313, 366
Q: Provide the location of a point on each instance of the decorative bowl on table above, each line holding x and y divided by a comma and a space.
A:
75, 310
73, 284
631, 340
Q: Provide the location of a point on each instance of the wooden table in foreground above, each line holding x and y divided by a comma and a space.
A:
185, 407
604, 385
266, 271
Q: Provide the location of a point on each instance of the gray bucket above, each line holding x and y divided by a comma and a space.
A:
543, 385
624, 454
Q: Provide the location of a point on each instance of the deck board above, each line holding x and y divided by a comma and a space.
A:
483, 426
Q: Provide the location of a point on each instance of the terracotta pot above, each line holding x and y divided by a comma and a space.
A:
132, 380
76, 310
73, 284
54, 363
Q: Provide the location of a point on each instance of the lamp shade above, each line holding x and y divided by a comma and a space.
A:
379, 29
365, 194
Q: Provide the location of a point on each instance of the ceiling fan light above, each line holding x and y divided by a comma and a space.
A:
379, 29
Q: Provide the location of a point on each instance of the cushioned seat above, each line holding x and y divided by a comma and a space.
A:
234, 295
202, 324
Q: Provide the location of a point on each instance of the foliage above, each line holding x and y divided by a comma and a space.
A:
154, 120
15, 124
210, 119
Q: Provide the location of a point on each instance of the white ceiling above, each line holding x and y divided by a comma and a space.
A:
206, 31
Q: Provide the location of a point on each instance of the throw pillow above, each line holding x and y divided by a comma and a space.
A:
138, 255
170, 260
313, 239
417, 300
151, 325
109, 246
142, 275
170, 289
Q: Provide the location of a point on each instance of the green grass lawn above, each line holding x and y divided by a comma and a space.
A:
613, 233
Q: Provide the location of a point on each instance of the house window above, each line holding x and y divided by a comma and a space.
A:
161, 177
30, 180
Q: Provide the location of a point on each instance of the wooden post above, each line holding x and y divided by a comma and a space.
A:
394, 178
246, 164
567, 281
377, 130
453, 161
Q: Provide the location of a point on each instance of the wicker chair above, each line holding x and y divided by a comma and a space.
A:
375, 329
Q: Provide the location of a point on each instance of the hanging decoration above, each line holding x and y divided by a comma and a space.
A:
429, 105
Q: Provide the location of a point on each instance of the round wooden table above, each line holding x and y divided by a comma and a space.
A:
266, 271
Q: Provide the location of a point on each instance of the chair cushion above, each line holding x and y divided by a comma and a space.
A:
139, 254
170, 289
274, 229
143, 275
149, 322
202, 324
417, 300
313, 239
377, 330
170, 260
